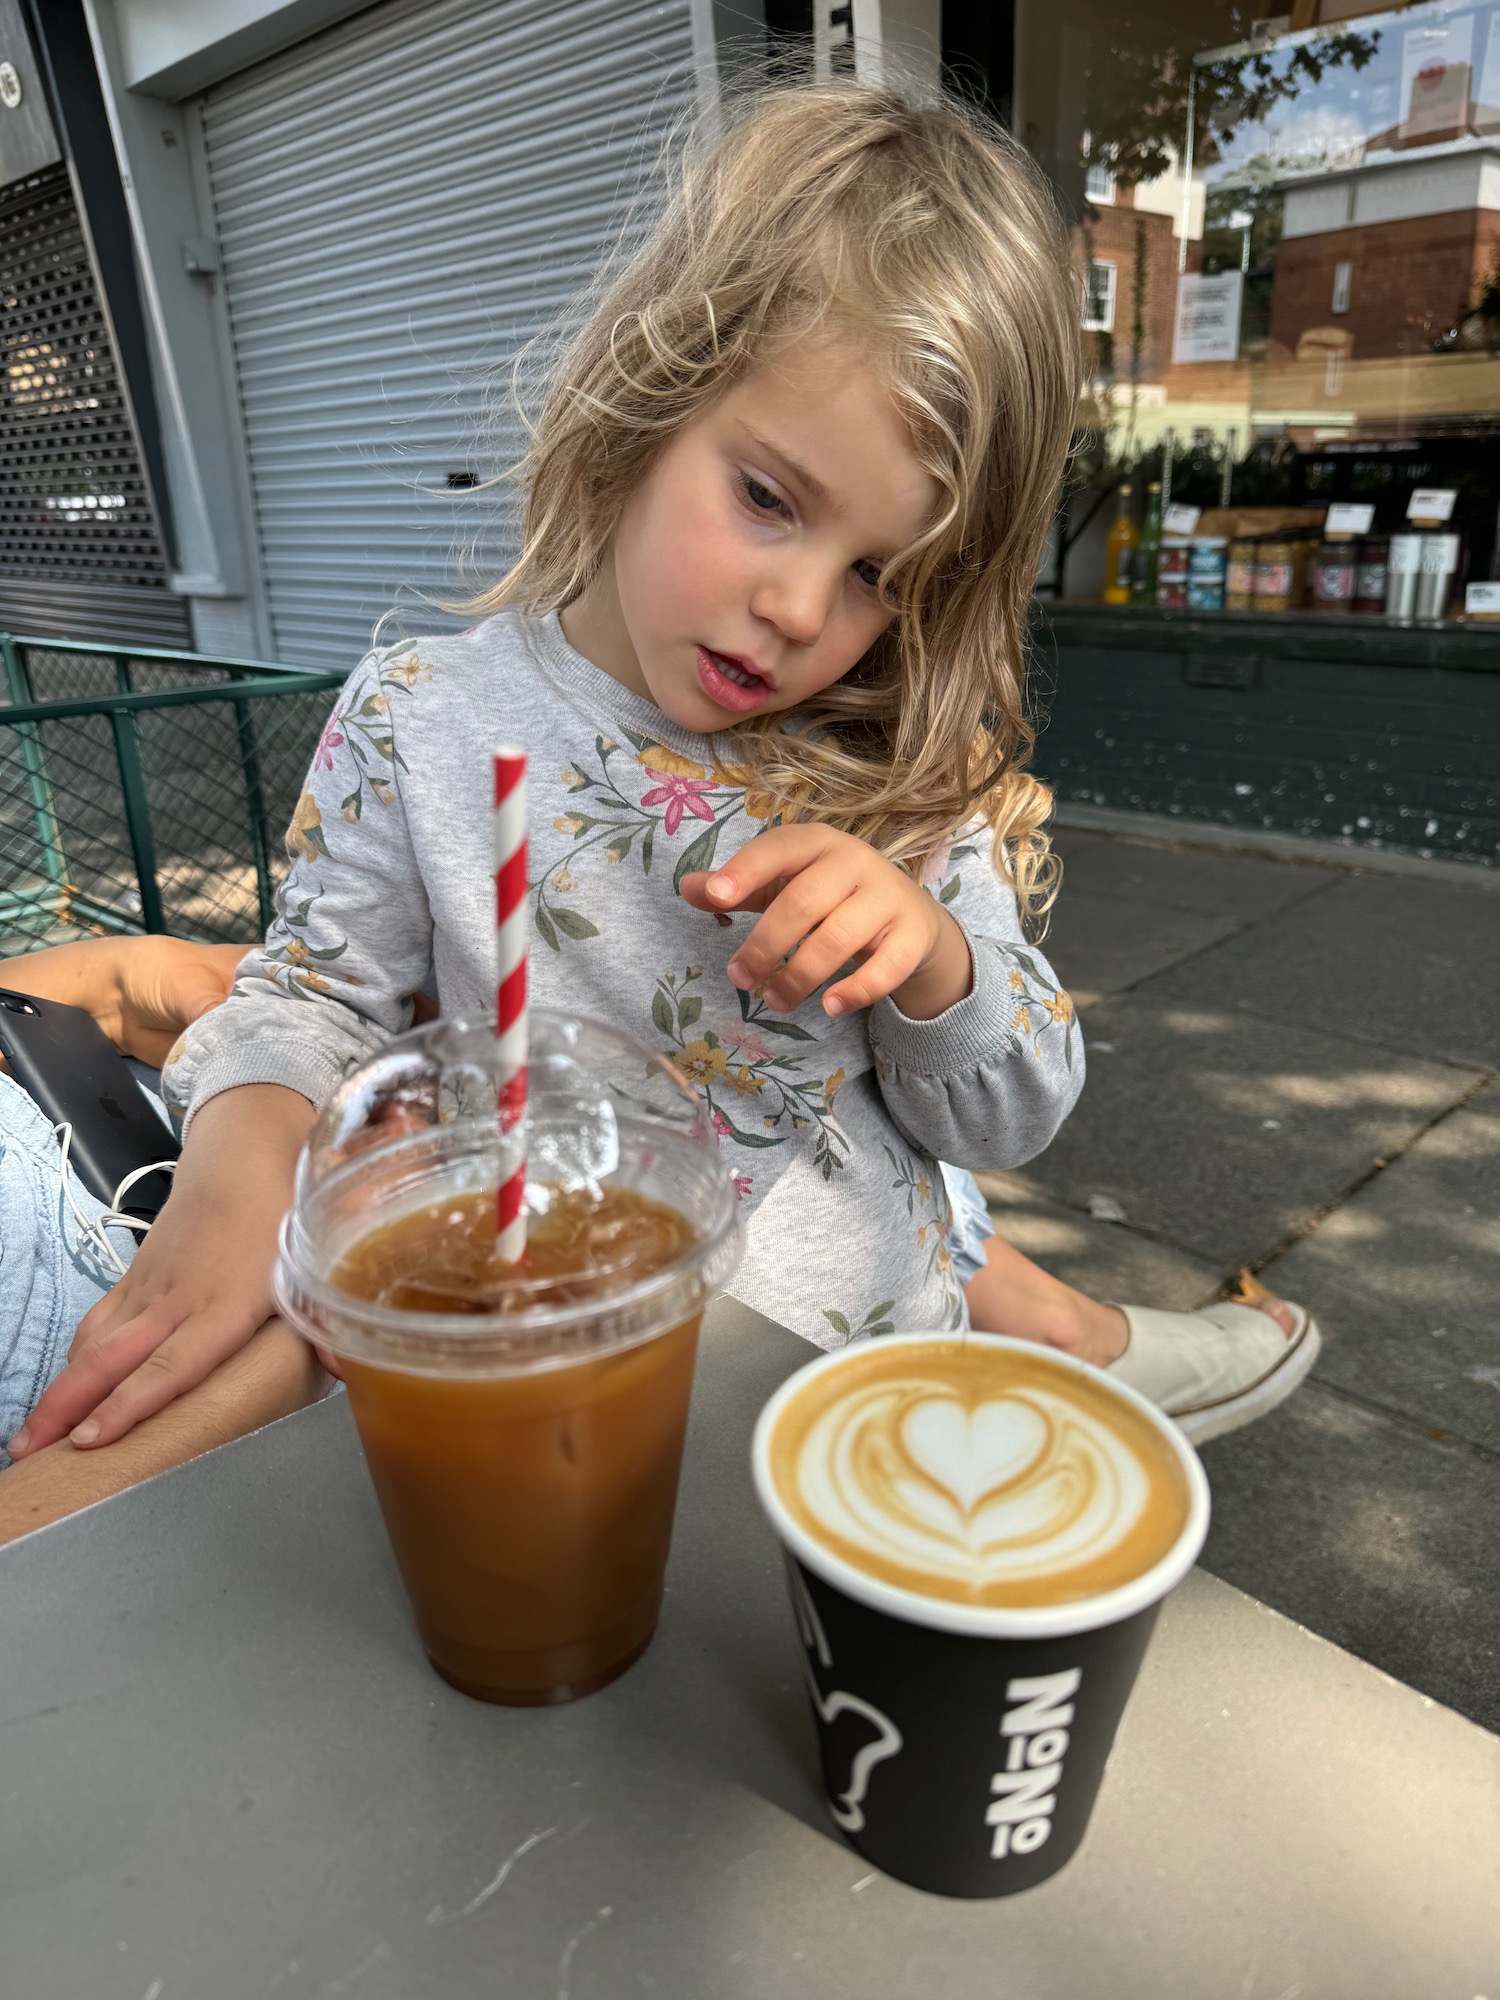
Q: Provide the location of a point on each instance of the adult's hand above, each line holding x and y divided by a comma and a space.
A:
143, 991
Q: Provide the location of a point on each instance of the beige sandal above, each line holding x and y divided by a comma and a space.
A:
1217, 1368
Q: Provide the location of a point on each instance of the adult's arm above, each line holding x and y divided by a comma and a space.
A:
143, 991
272, 1375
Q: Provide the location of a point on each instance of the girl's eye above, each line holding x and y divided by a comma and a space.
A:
873, 579
761, 498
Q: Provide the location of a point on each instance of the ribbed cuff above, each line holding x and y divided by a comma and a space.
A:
298, 1066
970, 1033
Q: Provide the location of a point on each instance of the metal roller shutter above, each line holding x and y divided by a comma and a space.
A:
80, 551
400, 202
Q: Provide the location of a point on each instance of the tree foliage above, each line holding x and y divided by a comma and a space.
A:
1139, 82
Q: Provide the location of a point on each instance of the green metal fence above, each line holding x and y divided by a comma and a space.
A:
146, 790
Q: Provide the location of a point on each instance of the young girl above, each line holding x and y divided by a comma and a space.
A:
764, 645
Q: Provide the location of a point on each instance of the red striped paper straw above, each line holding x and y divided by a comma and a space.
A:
510, 998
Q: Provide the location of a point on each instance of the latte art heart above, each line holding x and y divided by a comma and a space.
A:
971, 1453
1011, 1481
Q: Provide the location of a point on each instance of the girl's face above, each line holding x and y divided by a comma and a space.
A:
741, 576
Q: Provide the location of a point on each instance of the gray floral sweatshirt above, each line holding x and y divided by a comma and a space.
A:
831, 1126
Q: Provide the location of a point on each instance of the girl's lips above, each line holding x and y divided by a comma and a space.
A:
727, 693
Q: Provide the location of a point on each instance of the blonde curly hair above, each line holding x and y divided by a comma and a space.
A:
921, 230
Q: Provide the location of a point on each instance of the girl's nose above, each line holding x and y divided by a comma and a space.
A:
797, 598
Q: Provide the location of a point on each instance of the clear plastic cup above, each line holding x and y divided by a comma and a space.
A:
525, 1459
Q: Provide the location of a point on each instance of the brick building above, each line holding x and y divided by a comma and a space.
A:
1382, 259
1131, 255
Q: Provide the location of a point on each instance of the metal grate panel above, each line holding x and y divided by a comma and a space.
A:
79, 546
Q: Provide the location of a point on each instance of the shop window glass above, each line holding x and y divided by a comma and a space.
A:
1302, 242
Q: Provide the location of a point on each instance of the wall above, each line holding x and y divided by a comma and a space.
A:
1410, 282
1344, 729
1118, 236
172, 48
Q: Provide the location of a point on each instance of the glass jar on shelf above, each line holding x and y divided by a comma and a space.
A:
1172, 573
1207, 567
1331, 576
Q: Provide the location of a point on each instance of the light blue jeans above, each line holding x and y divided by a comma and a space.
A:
971, 1222
49, 1272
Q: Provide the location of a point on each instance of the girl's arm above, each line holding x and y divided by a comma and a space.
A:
988, 1083
351, 943
275, 1373
977, 1051
200, 1284
352, 939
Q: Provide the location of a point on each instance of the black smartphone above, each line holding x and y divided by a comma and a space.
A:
63, 1059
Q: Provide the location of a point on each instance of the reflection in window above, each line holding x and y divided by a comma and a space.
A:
1293, 285
1099, 303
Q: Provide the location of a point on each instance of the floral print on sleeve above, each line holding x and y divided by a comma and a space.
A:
360, 726
1039, 1004
362, 720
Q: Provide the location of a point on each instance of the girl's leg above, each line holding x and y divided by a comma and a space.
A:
1012, 1295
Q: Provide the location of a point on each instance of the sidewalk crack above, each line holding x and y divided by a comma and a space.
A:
1381, 1164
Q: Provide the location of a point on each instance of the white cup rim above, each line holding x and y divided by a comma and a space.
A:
1008, 1621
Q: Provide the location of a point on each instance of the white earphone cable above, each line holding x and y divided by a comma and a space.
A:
92, 1230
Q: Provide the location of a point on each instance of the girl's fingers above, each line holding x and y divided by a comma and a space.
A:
180, 1363
886, 969
694, 889
98, 1368
783, 851
331, 1363
859, 924
810, 899
114, 1309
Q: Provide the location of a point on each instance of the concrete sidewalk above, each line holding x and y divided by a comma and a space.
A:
1293, 1066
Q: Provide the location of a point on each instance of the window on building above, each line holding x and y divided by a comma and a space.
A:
1343, 274
1099, 305
1099, 184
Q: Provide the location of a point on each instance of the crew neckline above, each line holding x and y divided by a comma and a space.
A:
566, 667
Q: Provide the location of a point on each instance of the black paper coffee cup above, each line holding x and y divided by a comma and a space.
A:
963, 1746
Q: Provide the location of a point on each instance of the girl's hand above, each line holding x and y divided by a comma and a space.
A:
828, 898
200, 1284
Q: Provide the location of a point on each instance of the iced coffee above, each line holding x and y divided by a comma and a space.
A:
523, 1422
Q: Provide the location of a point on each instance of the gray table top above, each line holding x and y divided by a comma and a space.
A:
228, 1772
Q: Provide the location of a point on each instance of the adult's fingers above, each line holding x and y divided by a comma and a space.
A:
186, 1358
98, 1368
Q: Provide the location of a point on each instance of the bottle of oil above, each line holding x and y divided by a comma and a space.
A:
1119, 551
1143, 571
